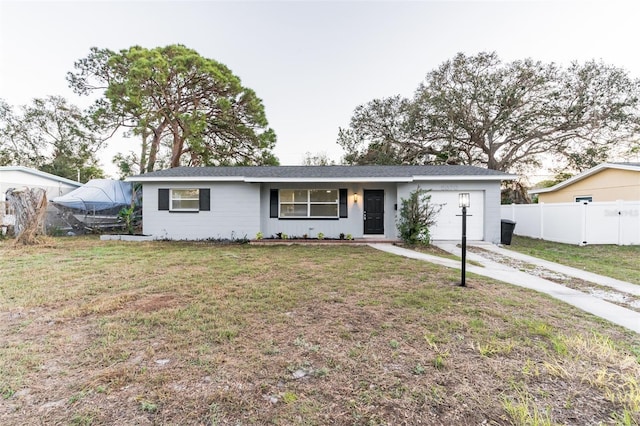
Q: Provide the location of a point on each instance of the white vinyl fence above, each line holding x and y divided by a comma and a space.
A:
616, 222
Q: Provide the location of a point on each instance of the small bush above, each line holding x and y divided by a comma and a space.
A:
417, 215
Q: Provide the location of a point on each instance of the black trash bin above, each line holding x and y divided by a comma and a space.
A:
506, 227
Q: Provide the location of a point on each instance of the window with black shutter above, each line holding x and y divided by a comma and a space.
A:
184, 199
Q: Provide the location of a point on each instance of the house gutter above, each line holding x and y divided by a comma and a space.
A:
407, 179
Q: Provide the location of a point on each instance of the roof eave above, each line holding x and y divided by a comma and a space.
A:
396, 179
37, 172
143, 178
326, 179
466, 177
540, 191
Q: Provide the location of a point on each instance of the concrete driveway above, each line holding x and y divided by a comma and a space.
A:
616, 314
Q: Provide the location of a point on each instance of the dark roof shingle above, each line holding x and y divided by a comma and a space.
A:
322, 172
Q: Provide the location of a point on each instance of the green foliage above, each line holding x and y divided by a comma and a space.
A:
478, 110
149, 407
127, 215
53, 136
6, 392
289, 397
417, 215
524, 410
561, 176
184, 108
439, 361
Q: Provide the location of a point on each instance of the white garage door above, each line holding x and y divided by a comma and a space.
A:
449, 221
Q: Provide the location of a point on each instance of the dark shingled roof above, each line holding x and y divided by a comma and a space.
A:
322, 172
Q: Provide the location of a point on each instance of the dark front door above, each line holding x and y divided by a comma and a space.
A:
374, 211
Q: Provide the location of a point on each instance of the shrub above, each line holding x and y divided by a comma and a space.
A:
417, 215
126, 215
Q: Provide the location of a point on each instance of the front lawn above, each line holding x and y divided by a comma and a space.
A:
161, 333
621, 262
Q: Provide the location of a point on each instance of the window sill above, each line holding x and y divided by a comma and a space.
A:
308, 218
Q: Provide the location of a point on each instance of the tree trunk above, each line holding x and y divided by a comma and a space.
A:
155, 145
176, 152
143, 151
30, 206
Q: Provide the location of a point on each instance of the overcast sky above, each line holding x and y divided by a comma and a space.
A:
311, 62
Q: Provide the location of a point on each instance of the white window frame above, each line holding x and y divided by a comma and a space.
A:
310, 203
197, 198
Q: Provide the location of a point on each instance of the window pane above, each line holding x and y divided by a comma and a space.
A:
323, 195
189, 194
185, 204
293, 210
330, 210
293, 195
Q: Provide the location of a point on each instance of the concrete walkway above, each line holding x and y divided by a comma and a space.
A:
586, 302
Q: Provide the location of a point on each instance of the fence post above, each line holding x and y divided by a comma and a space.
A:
619, 207
584, 223
541, 207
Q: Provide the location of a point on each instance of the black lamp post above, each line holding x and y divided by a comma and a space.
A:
464, 202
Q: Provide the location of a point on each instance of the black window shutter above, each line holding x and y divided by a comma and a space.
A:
205, 199
163, 199
343, 202
273, 203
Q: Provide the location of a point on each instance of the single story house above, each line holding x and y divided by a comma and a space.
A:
604, 182
194, 203
20, 177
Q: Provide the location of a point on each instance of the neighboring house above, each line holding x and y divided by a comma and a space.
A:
18, 177
604, 182
364, 201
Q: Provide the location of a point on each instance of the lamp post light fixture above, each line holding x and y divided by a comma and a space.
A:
464, 202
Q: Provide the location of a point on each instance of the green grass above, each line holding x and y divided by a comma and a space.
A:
190, 333
621, 262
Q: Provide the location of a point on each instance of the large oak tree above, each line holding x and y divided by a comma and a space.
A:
50, 135
173, 99
505, 116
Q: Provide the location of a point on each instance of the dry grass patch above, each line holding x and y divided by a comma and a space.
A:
175, 333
